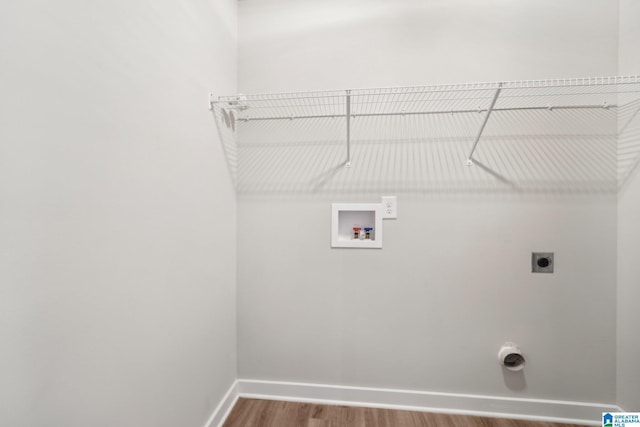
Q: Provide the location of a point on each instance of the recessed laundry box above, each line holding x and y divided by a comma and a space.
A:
356, 225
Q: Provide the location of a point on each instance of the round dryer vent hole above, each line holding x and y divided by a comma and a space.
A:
510, 356
513, 360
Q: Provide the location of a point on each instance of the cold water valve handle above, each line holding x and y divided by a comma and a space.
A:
367, 232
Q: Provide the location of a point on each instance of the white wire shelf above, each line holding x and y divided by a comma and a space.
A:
470, 112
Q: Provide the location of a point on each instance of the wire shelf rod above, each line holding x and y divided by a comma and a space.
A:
415, 113
383, 98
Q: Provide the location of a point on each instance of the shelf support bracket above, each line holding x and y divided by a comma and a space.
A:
348, 116
484, 123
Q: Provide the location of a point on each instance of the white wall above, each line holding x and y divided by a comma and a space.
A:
117, 277
454, 272
628, 384
335, 44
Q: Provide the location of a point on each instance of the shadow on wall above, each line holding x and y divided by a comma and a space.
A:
521, 151
515, 381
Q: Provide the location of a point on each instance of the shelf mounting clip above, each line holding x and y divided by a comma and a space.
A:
212, 100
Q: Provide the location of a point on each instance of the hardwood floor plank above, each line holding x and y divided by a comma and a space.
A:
273, 413
315, 422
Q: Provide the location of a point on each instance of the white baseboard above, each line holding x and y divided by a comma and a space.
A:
468, 404
225, 406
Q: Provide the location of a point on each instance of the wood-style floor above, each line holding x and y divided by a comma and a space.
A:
271, 413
